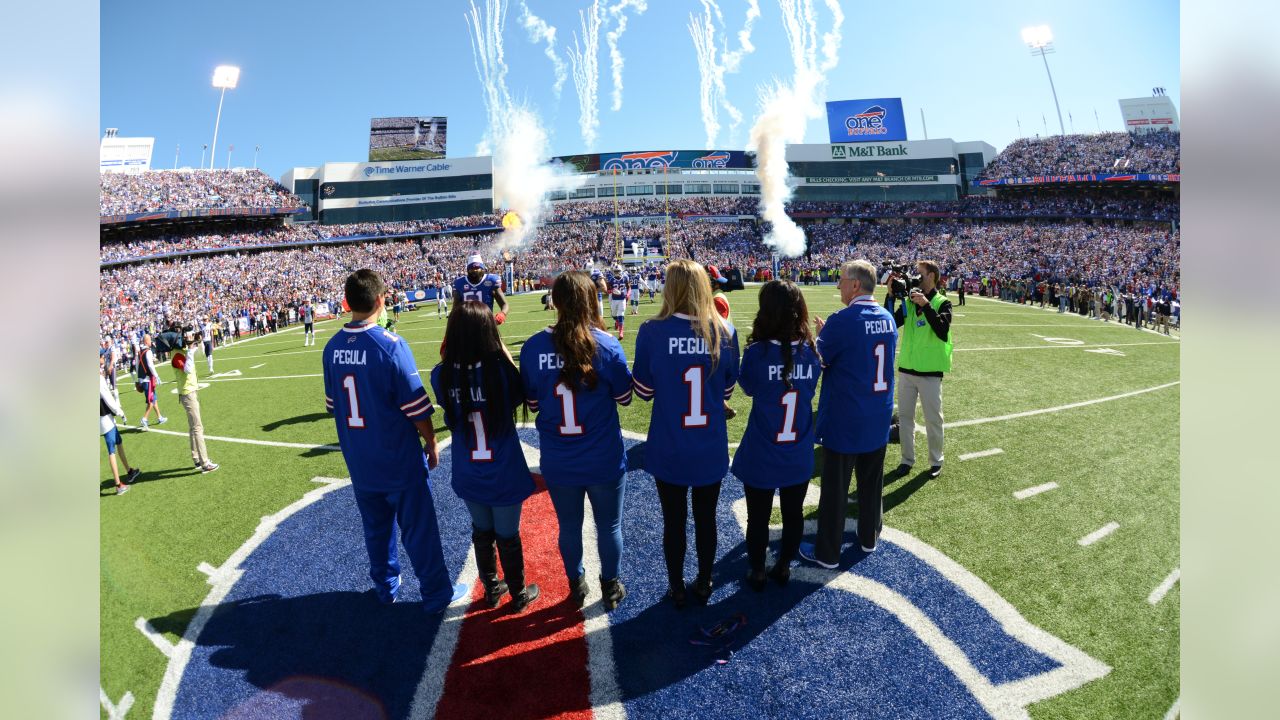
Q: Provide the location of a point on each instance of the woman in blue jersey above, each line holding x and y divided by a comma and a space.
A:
480, 389
575, 376
780, 370
687, 363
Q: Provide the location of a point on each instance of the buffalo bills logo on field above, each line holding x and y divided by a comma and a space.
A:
867, 122
717, 159
641, 160
290, 630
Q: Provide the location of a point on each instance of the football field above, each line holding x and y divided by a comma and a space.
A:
1037, 576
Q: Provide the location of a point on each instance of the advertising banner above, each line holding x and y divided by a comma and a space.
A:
1085, 178
407, 138
871, 179
869, 120
658, 159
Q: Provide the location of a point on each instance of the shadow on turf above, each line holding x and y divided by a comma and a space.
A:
297, 420
150, 476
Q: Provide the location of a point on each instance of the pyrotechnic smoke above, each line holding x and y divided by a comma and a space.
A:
521, 175
714, 62
585, 61
784, 111
541, 32
617, 14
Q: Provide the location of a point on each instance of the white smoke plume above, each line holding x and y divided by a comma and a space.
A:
541, 32
617, 14
785, 109
521, 175
585, 63
714, 62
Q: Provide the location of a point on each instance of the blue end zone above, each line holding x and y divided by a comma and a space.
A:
303, 612
301, 624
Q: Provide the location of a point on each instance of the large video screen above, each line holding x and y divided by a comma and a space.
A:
407, 138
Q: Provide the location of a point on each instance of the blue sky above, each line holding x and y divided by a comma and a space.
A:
314, 73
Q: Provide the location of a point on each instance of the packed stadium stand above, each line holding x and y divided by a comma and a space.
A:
167, 190
1123, 240
1154, 152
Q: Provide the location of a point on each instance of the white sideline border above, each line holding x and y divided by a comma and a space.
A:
981, 454
1054, 310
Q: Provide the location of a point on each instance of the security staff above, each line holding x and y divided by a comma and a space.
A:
924, 318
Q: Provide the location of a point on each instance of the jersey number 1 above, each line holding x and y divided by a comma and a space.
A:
880, 385
481, 452
568, 411
354, 419
695, 417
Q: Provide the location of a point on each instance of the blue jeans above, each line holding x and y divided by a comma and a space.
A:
606, 508
414, 511
501, 519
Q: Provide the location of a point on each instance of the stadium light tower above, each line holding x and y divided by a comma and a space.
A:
1040, 39
225, 77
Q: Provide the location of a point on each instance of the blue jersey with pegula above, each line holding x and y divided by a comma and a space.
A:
488, 463
688, 441
858, 346
467, 291
777, 447
578, 429
373, 389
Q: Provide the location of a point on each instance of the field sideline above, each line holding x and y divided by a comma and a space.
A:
1060, 489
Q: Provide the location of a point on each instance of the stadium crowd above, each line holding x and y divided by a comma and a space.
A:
162, 190
1156, 152
1099, 207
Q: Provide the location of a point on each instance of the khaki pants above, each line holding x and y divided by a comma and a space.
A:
191, 404
929, 391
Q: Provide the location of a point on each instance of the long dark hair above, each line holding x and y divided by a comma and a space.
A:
577, 312
471, 336
783, 316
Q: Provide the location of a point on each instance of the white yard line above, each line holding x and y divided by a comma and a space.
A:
1064, 347
1098, 534
115, 711
160, 641
981, 454
1070, 406
1164, 587
246, 441
255, 367
1033, 491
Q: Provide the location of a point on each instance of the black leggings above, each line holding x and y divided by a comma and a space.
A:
674, 519
760, 508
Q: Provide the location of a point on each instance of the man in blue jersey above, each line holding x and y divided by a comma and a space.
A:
855, 407
373, 390
481, 286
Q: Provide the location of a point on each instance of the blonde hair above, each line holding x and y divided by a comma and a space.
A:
688, 291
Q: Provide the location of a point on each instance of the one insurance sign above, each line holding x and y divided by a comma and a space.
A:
870, 120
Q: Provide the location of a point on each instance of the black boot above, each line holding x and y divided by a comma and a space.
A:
781, 572
487, 563
578, 590
613, 592
756, 579
512, 553
701, 589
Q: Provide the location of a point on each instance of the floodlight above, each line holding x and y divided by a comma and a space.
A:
1037, 36
226, 76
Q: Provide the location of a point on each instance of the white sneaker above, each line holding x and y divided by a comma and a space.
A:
162, 420
209, 467
144, 426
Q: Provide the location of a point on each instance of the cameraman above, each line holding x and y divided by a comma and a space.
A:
924, 317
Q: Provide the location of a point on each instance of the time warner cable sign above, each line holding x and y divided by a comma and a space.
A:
870, 120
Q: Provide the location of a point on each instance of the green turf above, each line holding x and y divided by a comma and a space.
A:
393, 153
1114, 461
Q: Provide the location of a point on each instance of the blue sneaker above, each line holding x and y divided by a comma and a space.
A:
809, 554
460, 591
